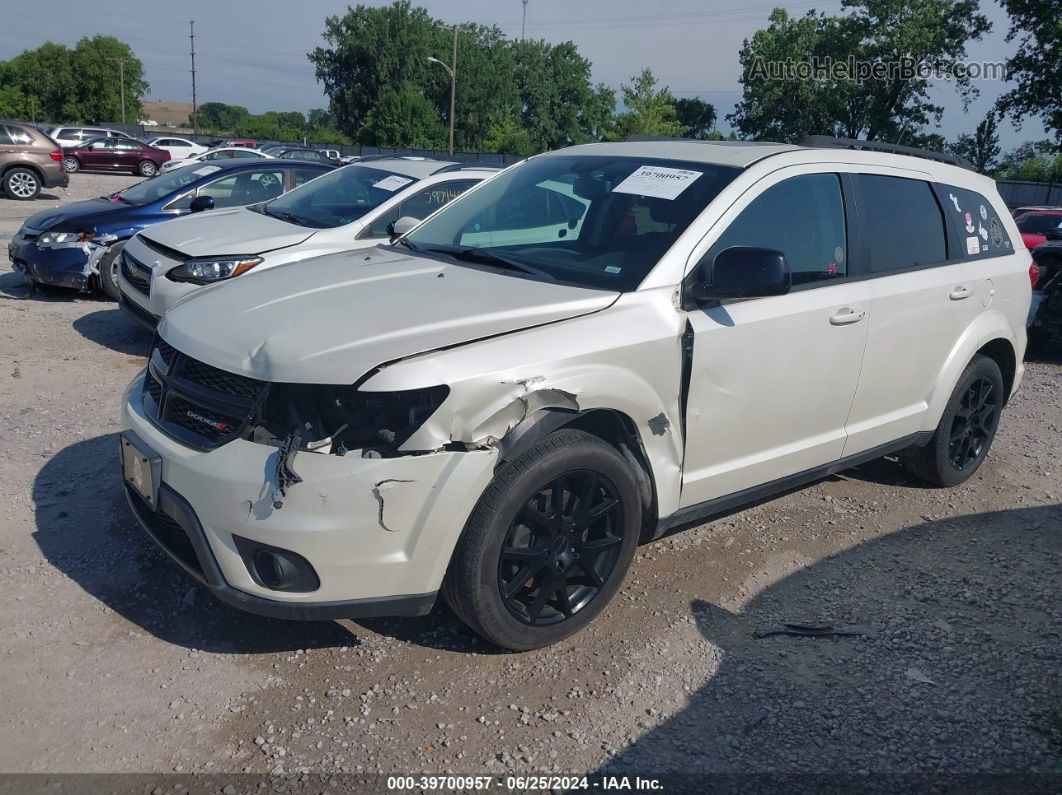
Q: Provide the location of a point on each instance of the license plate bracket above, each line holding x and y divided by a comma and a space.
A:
141, 469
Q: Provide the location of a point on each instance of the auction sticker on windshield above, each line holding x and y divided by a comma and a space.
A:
657, 182
206, 170
392, 183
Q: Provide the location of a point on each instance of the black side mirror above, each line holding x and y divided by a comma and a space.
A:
740, 272
1053, 234
200, 203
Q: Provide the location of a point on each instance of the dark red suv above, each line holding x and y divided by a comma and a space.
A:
114, 154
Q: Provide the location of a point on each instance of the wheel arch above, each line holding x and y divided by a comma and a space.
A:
28, 166
610, 425
1001, 351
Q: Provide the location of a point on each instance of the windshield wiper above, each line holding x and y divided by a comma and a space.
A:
285, 215
403, 242
490, 258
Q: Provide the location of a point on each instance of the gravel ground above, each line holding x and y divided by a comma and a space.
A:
113, 662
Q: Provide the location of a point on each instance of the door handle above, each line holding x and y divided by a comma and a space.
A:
845, 316
960, 292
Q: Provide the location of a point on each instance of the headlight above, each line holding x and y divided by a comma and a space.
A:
208, 271
340, 418
52, 238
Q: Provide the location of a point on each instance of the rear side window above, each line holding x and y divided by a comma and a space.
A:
94, 133
17, 135
902, 223
68, 132
5, 139
977, 223
803, 217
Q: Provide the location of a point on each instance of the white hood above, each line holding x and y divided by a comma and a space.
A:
332, 319
234, 231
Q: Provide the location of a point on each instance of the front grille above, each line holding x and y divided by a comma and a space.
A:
136, 273
196, 403
220, 381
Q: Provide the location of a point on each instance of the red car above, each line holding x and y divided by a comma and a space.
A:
1034, 224
114, 154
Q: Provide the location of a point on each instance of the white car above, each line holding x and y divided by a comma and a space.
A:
503, 418
179, 148
75, 136
220, 153
346, 209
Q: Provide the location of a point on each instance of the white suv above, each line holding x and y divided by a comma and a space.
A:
350, 208
503, 415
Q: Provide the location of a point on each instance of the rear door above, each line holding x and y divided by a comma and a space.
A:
127, 154
924, 294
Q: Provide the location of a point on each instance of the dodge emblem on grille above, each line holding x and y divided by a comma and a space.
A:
217, 425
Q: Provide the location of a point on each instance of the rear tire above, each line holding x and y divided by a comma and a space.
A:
71, 165
22, 184
964, 435
147, 169
548, 544
108, 276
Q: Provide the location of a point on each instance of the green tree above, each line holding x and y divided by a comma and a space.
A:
696, 116
1031, 161
1036, 67
509, 136
95, 63
649, 111
220, 117
404, 117
981, 148
46, 77
897, 39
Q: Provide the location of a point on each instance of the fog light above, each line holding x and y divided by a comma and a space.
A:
275, 568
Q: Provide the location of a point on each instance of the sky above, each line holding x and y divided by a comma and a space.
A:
253, 52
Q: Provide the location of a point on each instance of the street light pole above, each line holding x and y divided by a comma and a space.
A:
121, 79
452, 71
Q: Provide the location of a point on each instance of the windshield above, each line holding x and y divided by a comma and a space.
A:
1038, 223
594, 221
163, 186
338, 197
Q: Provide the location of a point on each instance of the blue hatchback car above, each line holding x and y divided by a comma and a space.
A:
78, 245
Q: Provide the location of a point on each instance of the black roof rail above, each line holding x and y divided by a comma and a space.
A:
829, 142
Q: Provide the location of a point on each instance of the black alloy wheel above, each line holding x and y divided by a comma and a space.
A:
973, 424
561, 548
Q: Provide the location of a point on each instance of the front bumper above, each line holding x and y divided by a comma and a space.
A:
60, 267
378, 532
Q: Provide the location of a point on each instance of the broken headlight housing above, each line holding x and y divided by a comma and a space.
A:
212, 269
337, 419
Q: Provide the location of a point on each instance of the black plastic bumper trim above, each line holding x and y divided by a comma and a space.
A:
138, 313
175, 506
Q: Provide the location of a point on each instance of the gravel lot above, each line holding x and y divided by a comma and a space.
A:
113, 662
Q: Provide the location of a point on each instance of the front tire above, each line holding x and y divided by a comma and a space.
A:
71, 165
548, 544
964, 435
21, 184
108, 276
147, 169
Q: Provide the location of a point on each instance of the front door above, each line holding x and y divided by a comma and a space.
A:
772, 379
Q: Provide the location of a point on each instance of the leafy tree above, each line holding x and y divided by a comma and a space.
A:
649, 111
404, 117
94, 62
1031, 161
1037, 65
696, 116
509, 136
981, 148
219, 116
897, 39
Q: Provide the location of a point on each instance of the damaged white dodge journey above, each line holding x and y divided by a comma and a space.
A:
593, 347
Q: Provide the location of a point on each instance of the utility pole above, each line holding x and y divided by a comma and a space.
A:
452, 71
523, 24
121, 79
191, 36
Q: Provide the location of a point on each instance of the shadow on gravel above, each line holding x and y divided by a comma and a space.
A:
86, 530
960, 672
14, 285
113, 329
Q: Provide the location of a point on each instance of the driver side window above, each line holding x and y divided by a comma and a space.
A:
803, 217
